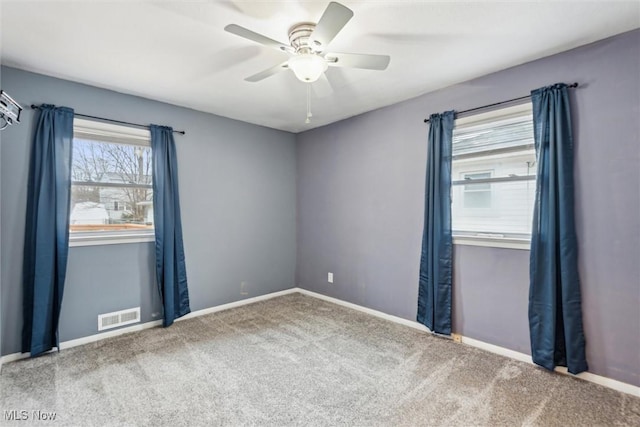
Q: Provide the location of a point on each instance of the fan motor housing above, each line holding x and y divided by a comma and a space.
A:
299, 36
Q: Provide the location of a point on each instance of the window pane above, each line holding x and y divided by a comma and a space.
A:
109, 162
494, 147
509, 212
106, 206
110, 208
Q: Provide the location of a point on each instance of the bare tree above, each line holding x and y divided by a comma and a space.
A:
88, 166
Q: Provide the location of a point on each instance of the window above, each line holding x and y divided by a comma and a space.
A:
111, 188
476, 195
493, 178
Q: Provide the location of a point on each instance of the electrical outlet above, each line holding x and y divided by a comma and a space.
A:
243, 288
330, 277
456, 338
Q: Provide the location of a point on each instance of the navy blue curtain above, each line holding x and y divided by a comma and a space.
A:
46, 243
434, 291
555, 313
171, 272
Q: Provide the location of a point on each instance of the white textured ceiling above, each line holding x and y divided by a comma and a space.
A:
178, 52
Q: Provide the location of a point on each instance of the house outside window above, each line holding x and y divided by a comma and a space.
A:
493, 178
476, 196
111, 189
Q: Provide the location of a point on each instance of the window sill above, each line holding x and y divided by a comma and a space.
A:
110, 239
493, 242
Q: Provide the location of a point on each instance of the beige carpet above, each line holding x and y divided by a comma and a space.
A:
297, 360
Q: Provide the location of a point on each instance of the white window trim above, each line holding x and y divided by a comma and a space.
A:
492, 242
500, 113
488, 240
109, 238
121, 134
109, 132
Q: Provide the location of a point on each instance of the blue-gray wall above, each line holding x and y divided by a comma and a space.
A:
361, 196
238, 190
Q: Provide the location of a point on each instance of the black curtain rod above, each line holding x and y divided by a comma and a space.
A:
86, 116
571, 86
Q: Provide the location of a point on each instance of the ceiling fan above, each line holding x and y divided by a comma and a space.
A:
307, 44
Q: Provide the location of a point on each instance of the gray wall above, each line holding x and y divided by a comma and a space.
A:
360, 205
361, 195
237, 184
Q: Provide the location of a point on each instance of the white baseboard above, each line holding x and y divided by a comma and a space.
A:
109, 334
492, 348
396, 319
236, 304
147, 325
88, 339
512, 354
587, 376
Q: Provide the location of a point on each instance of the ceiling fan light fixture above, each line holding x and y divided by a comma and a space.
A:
308, 67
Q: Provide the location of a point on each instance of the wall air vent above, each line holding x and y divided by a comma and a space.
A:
118, 318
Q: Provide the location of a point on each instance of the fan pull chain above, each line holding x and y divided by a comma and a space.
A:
309, 115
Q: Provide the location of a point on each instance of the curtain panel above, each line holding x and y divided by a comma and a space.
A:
434, 290
555, 308
171, 271
46, 243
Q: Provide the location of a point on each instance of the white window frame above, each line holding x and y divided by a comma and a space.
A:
108, 132
493, 240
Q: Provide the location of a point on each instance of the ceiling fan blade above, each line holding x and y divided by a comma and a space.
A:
268, 72
334, 18
258, 38
358, 60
